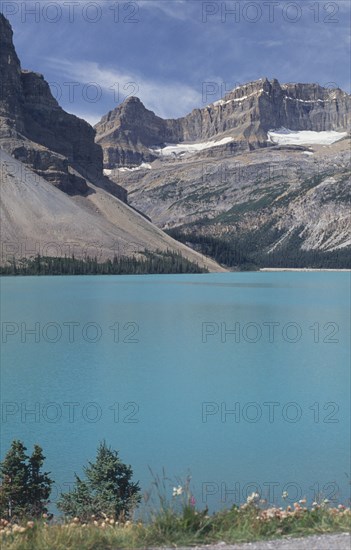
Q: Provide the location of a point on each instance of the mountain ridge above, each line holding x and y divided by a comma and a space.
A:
130, 133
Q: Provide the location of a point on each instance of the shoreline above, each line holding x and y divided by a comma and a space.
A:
303, 269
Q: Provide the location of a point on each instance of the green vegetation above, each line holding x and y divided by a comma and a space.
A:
151, 263
250, 250
107, 491
240, 248
24, 489
265, 200
97, 511
225, 251
177, 525
291, 255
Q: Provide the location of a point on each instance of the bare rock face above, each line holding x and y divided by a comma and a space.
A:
34, 129
10, 104
130, 132
305, 107
127, 133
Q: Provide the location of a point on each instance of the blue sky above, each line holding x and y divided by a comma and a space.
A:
179, 54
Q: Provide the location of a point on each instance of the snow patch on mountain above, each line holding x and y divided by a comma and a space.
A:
284, 136
242, 98
143, 166
183, 148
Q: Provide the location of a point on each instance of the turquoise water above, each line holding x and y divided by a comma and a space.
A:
241, 379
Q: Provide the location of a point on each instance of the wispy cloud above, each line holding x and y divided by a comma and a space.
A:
271, 43
167, 99
176, 9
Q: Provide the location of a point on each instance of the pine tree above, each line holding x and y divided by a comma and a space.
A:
79, 502
107, 491
24, 488
14, 482
39, 485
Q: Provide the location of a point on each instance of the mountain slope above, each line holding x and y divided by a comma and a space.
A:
277, 201
37, 218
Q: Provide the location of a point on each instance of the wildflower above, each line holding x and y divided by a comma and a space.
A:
30, 524
285, 495
314, 504
192, 501
303, 501
253, 498
177, 491
326, 501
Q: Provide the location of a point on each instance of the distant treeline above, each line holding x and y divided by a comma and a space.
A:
152, 263
225, 251
250, 251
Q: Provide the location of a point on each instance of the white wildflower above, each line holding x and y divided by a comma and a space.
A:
177, 491
253, 498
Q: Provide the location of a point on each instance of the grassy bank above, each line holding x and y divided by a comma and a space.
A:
186, 526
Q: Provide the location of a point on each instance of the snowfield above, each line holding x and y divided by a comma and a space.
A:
284, 136
182, 148
143, 166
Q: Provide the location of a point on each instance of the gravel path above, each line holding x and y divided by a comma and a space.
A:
340, 541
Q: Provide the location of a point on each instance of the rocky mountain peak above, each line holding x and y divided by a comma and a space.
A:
10, 66
36, 130
132, 100
7, 35
130, 134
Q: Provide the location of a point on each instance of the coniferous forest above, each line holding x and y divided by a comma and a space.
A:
250, 252
150, 263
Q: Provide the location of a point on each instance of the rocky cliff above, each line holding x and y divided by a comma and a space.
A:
36, 130
55, 200
130, 133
